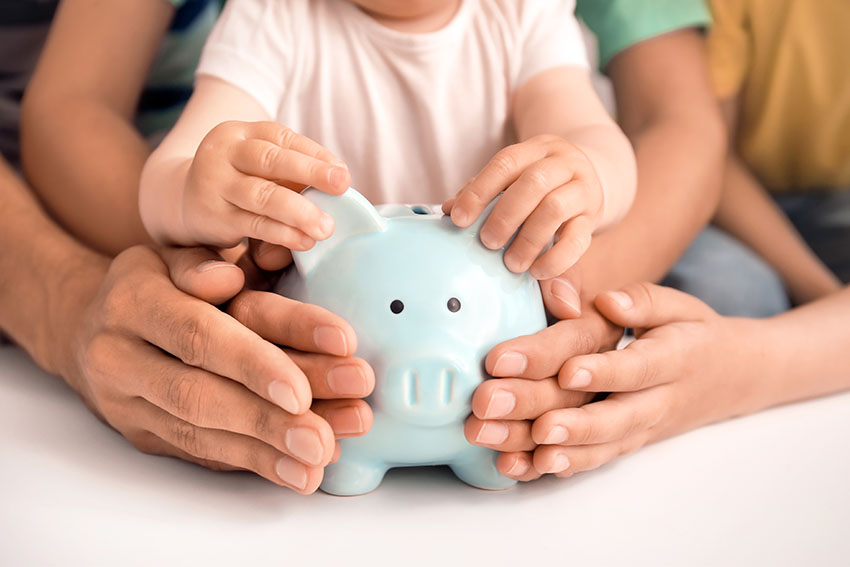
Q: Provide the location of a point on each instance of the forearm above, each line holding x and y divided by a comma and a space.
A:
666, 108
45, 276
84, 160
678, 162
747, 212
802, 353
613, 160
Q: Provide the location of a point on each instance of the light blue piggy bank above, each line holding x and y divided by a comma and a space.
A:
427, 301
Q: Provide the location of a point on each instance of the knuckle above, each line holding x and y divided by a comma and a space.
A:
257, 226
538, 179
99, 356
286, 137
185, 396
261, 195
186, 436
261, 423
267, 157
243, 306
504, 162
192, 336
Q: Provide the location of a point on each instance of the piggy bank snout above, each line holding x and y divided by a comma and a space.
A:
429, 392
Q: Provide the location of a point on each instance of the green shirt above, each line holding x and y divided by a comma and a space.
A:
619, 24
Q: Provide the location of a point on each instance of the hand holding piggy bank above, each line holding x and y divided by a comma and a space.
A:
427, 301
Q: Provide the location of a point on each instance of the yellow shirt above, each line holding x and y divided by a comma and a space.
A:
789, 60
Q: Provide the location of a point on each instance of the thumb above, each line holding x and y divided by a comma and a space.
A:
561, 295
646, 305
202, 273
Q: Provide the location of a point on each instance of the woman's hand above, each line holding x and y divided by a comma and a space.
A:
687, 368
177, 376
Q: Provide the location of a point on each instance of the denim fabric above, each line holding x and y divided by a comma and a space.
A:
729, 277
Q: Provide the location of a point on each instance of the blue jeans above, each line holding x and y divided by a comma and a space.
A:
733, 280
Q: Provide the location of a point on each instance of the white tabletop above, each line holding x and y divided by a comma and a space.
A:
770, 489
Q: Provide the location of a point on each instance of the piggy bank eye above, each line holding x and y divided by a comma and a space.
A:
453, 304
396, 306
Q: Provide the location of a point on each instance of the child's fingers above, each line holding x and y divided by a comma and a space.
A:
646, 305
202, 273
614, 418
535, 187
291, 140
540, 227
264, 159
269, 257
573, 241
499, 435
566, 461
264, 228
267, 198
517, 465
505, 168
636, 367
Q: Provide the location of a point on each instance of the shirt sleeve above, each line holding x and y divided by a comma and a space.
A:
248, 48
551, 37
728, 47
619, 24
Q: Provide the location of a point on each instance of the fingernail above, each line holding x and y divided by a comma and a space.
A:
557, 434
519, 468
339, 163
492, 433
283, 395
580, 379
292, 473
338, 176
331, 340
326, 225
304, 444
502, 402
622, 299
510, 364
209, 265
459, 216
512, 262
560, 462
488, 239
347, 380
564, 291
345, 421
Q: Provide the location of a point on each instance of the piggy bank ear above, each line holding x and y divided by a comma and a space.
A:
353, 214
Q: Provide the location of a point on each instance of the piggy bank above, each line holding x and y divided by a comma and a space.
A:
428, 301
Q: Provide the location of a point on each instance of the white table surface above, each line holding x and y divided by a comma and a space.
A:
770, 489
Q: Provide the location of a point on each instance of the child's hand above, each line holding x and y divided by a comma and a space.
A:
551, 190
244, 182
687, 368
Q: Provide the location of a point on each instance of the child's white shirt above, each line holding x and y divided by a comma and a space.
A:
414, 116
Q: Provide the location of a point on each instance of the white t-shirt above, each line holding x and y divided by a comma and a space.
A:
414, 116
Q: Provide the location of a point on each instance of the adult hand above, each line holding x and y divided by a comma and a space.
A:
687, 368
526, 368
176, 376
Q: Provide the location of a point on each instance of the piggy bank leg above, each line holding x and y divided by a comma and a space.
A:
477, 466
350, 477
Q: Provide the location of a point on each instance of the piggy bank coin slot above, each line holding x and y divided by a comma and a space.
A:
420, 210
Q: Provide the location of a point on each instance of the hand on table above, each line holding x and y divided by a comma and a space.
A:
551, 191
177, 376
687, 368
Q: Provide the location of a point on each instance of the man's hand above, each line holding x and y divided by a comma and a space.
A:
178, 377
